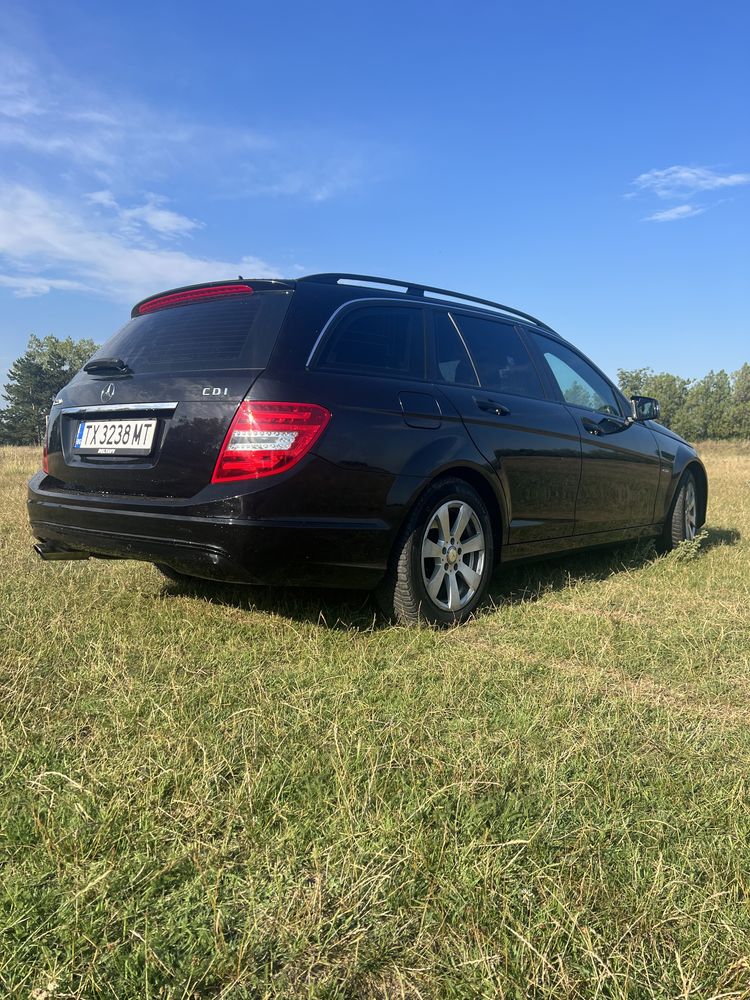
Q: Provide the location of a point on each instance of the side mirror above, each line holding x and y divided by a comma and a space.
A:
645, 408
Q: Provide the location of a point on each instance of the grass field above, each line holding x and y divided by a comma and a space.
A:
229, 793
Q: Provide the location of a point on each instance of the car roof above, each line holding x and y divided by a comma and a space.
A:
361, 284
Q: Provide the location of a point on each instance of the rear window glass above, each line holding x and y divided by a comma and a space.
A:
502, 361
383, 340
236, 332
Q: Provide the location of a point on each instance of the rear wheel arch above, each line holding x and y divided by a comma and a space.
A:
476, 479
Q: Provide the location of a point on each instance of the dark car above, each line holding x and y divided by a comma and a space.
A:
346, 431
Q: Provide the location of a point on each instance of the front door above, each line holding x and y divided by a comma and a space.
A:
621, 463
484, 369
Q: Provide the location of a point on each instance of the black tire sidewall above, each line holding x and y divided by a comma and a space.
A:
674, 527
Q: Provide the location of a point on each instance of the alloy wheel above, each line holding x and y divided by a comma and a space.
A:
453, 555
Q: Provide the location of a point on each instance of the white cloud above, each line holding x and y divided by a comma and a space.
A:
29, 286
680, 181
151, 213
672, 214
46, 244
48, 116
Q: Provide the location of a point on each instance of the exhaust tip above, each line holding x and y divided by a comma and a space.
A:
51, 552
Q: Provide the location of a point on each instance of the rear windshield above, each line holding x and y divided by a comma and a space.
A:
235, 332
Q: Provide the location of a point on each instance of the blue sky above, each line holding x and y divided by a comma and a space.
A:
586, 162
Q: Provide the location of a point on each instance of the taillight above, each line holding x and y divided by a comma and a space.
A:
192, 295
266, 438
45, 448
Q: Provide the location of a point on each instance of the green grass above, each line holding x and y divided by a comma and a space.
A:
229, 793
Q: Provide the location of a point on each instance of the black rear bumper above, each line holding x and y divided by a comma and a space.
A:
195, 540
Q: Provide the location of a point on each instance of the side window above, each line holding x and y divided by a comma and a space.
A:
451, 360
500, 358
579, 383
382, 340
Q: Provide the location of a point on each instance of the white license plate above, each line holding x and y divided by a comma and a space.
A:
115, 437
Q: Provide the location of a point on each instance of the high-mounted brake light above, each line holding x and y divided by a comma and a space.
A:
192, 295
266, 438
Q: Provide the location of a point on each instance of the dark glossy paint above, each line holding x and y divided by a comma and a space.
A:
550, 484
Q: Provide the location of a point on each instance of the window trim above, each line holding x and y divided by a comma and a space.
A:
519, 330
432, 368
350, 305
558, 396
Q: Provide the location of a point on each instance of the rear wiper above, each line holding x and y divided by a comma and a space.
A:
107, 365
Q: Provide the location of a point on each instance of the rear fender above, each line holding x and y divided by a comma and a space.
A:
406, 491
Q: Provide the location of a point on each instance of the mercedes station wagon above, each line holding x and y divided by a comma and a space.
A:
346, 431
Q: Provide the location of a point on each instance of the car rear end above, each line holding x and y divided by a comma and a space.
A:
173, 446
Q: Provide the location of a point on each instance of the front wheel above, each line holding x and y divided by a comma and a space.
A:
682, 523
443, 561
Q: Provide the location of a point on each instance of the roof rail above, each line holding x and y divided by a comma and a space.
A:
410, 288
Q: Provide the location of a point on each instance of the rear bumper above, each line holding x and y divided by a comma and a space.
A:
210, 541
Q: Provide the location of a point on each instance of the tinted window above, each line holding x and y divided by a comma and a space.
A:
500, 358
387, 340
451, 360
236, 332
579, 383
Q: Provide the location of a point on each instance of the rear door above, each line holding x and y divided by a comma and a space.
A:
621, 462
485, 370
150, 414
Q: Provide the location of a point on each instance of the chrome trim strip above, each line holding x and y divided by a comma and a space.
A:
429, 303
350, 302
468, 352
119, 407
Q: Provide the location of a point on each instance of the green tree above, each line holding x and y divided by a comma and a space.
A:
632, 381
740, 412
33, 382
707, 409
670, 390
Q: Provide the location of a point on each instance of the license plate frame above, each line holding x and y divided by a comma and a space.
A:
119, 436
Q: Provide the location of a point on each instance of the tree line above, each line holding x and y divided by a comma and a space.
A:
715, 406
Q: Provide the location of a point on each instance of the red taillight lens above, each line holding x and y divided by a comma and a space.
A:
193, 295
45, 448
266, 438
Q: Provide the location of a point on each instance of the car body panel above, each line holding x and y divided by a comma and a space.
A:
333, 518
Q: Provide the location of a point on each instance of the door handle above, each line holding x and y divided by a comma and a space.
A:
491, 406
591, 426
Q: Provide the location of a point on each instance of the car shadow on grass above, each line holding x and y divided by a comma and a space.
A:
356, 610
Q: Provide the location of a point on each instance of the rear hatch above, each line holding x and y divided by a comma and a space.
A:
149, 412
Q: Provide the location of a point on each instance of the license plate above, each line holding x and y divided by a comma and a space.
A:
115, 437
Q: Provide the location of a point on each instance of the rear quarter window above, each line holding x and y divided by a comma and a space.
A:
377, 340
235, 332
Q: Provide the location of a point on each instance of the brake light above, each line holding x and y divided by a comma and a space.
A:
266, 438
192, 295
45, 448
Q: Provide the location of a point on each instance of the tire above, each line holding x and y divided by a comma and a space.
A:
420, 587
682, 522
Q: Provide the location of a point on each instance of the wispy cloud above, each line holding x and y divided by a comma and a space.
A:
47, 244
673, 214
123, 144
151, 214
679, 182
